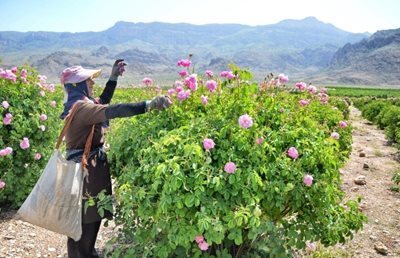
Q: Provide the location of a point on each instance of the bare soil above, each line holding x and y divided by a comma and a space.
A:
382, 207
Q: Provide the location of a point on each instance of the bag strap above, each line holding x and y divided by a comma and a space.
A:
88, 143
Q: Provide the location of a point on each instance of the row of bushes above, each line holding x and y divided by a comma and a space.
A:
384, 113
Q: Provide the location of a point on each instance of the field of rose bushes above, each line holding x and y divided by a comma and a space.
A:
234, 168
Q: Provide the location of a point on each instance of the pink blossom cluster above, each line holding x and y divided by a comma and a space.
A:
301, 86
312, 89
323, 90
8, 75
182, 95
178, 84
201, 243
227, 75
323, 98
283, 79
184, 62
171, 91
6, 151
209, 73
191, 82
304, 102
211, 85
183, 73
147, 81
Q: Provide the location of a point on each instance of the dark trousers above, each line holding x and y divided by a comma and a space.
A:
84, 248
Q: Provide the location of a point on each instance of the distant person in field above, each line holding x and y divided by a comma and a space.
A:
78, 84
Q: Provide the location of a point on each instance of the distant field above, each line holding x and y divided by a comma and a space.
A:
360, 92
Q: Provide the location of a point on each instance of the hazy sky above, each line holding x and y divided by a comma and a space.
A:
98, 15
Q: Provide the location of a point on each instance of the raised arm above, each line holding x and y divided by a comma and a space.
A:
108, 92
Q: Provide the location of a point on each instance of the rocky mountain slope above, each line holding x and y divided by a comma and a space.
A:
304, 49
375, 60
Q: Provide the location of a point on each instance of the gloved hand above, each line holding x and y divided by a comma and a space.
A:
158, 103
117, 69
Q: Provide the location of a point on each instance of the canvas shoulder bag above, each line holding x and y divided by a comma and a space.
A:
55, 202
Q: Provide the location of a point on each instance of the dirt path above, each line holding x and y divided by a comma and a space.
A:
382, 207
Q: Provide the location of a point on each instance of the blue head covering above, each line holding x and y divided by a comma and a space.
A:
75, 92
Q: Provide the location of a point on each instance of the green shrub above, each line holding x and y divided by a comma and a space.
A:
170, 189
21, 169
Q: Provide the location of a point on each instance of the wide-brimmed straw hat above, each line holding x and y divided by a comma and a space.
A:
77, 73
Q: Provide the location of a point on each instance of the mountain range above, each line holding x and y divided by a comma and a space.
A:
307, 50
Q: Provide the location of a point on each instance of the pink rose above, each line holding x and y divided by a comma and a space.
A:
199, 239
42, 93
43, 117
147, 81
53, 103
38, 156
283, 78
2, 184
259, 140
42, 128
301, 86
184, 63
183, 73
24, 73
204, 100
203, 246
312, 89
3, 153
24, 144
208, 144
5, 104
209, 73
293, 153
179, 89
182, 95
308, 180
245, 121
342, 124
335, 135
230, 167
304, 102
8, 150
211, 85
7, 119
171, 91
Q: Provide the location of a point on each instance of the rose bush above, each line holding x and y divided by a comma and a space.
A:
28, 130
267, 185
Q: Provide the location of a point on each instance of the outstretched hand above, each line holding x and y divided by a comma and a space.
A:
160, 103
117, 69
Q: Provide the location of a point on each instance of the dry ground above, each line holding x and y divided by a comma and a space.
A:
382, 207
